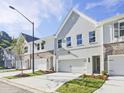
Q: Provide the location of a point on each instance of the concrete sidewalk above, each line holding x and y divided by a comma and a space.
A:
20, 86
115, 84
3, 74
8, 88
47, 83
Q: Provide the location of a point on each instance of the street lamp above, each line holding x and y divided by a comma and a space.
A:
32, 35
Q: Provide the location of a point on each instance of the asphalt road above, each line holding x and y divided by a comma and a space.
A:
6, 88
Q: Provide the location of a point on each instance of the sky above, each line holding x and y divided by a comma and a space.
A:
48, 15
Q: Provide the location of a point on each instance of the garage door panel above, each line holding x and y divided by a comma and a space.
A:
40, 64
76, 66
116, 65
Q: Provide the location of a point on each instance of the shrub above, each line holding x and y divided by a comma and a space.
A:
102, 77
104, 73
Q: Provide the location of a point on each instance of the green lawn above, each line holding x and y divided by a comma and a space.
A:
1, 67
25, 75
81, 85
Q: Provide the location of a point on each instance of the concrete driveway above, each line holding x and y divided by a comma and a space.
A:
115, 84
46, 83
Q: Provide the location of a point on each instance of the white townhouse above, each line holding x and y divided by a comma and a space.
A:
79, 45
43, 53
83, 45
26, 62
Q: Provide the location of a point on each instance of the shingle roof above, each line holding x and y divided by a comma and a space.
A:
29, 38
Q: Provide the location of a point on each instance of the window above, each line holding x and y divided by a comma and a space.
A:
88, 59
79, 39
122, 29
116, 30
68, 40
92, 37
60, 43
25, 49
42, 46
38, 46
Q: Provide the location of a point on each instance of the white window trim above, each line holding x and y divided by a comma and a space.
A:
79, 39
68, 41
92, 37
118, 29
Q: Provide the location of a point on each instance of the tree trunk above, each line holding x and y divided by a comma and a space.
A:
21, 65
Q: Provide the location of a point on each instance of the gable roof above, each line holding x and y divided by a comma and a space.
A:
68, 16
85, 16
28, 38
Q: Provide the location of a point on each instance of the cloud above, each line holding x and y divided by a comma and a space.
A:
104, 3
36, 10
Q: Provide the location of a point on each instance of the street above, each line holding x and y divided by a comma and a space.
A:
6, 88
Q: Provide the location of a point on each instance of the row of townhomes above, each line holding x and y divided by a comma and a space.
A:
81, 45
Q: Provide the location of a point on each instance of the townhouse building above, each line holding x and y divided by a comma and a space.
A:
43, 53
82, 45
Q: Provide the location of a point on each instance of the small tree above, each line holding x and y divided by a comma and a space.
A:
19, 49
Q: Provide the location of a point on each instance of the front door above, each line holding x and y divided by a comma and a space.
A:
96, 64
50, 63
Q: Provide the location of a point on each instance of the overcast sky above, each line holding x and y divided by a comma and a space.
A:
48, 15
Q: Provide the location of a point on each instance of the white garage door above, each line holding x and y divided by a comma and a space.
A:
41, 64
116, 65
74, 66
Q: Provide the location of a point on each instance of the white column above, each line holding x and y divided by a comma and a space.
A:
102, 52
56, 64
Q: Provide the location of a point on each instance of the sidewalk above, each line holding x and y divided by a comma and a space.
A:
21, 86
4, 74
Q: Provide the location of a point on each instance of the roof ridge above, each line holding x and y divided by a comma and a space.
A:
29, 38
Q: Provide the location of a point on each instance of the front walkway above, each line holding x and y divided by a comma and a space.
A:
115, 84
46, 83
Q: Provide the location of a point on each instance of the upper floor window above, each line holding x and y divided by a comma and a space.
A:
68, 40
38, 46
122, 29
60, 43
25, 49
42, 46
92, 37
116, 30
79, 39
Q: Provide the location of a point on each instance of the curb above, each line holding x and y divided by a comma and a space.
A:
33, 90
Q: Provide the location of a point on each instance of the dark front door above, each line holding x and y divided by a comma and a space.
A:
96, 64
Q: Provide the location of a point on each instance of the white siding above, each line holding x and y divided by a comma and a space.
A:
108, 33
49, 45
84, 51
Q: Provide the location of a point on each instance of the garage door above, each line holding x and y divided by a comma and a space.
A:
74, 66
41, 64
116, 65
